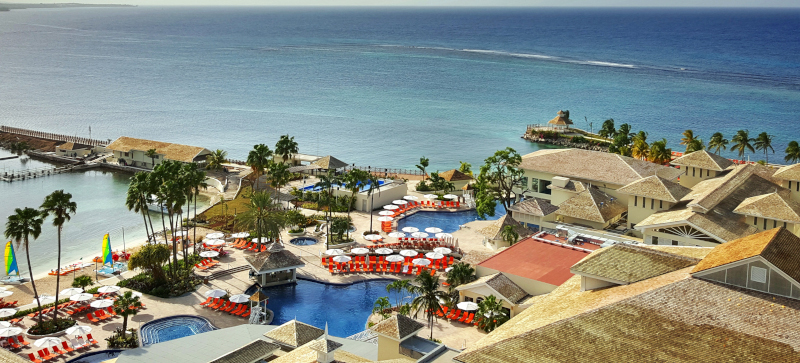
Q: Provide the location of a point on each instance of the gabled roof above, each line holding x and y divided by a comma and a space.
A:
257, 349
626, 264
739, 180
477, 256
398, 327
494, 230
704, 160
778, 246
657, 188
324, 345
294, 333
560, 120
776, 205
184, 153
329, 163
454, 175
500, 283
279, 259
572, 186
540, 261
592, 205
73, 146
788, 172
534, 206
595, 166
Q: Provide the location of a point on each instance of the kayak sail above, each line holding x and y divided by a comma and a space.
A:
11, 260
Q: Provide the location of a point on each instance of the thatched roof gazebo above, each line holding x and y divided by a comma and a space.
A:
561, 121
329, 163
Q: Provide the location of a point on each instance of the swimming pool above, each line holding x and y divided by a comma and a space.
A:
96, 357
303, 241
448, 221
344, 307
312, 188
173, 327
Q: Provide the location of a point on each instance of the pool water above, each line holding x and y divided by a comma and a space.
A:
173, 327
303, 241
344, 307
448, 221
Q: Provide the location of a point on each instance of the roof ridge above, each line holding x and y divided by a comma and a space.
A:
594, 202
660, 253
631, 166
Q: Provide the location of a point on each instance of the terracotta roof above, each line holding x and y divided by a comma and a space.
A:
454, 175
596, 166
771, 206
329, 162
704, 160
184, 153
294, 334
494, 230
476, 257
500, 283
592, 205
657, 188
788, 172
255, 350
534, 206
266, 260
778, 246
546, 262
398, 327
626, 264
690, 320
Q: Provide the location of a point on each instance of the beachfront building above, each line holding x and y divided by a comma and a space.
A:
133, 152
789, 177
397, 336
700, 165
458, 178
662, 305
73, 150
327, 163
296, 159
592, 208
493, 233
650, 195
275, 266
387, 192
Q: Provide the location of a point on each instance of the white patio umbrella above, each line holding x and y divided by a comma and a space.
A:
136, 293
421, 261
240, 298
409, 253
443, 235
372, 237
71, 291
260, 240
100, 304
108, 289
360, 251
419, 235
334, 252
410, 197
4, 313
79, 330
215, 235
45, 299
397, 234
467, 306
386, 213
81, 297
6, 293
384, 251
5, 324
433, 230
400, 202
448, 269
395, 258
385, 219
443, 250
241, 235
47, 342
342, 259
209, 254
180, 233
434, 255
410, 229
430, 196
10, 332
214, 242
390, 207
450, 196
216, 293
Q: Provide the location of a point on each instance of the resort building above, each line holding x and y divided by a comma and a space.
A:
561, 121
493, 233
293, 335
672, 304
533, 212
329, 163
73, 150
650, 195
133, 152
789, 177
296, 159
397, 337
700, 165
275, 266
387, 192
592, 208
458, 178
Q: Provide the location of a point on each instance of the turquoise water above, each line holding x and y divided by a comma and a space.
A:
173, 327
449, 222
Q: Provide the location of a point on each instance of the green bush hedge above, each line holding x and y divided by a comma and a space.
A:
116, 339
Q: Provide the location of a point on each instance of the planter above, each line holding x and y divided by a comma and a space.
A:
298, 234
341, 245
56, 334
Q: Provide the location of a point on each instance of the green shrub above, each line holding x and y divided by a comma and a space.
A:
423, 187
82, 281
116, 340
51, 326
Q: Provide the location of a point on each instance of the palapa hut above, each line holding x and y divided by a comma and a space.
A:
561, 121
493, 234
329, 163
275, 266
458, 178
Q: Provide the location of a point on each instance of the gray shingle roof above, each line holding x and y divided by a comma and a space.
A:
628, 264
254, 350
324, 346
267, 260
592, 205
788, 172
494, 230
534, 206
398, 327
657, 188
778, 206
329, 162
704, 160
294, 333
502, 284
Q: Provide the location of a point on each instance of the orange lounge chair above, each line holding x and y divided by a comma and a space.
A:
45, 356
66, 347
13, 343
91, 318
469, 319
230, 308
208, 300
90, 339
246, 312
111, 311
56, 350
22, 340
237, 310
33, 358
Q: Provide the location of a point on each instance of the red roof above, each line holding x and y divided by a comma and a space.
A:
540, 261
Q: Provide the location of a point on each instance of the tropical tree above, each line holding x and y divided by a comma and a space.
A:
428, 296
792, 152
640, 149
372, 187
295, 218
438, 183
717, 142
60, 206
687, 139
625, 131
404, 309
659, 153
326, 183
151, 258
82, 281
465, 168
195, 181
286, 147
215, 160
354, 180
492, 312
423, 165
126, 305
502, 173
279, 175
398, 286
151, 153
339, 226
742, 142
258, 160
608, 130
21, 226
136, 198
461, 273
694, 145
261, 216
509, 235
381, 306
485, 199
764, 142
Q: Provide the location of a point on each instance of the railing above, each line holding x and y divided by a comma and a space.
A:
385, 171
54, 137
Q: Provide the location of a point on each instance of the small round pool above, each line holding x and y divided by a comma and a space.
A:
303, 241
173, 327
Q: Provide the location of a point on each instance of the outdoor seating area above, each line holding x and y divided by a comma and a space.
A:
409, 203
408, 262
206, 264
245, 245
234, 305
456, 315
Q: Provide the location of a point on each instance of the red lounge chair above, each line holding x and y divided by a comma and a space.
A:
91, 318
223, 306
217, 305
463, 317
66, 347
13, 343
200, 267
230, 308
56, 350
246, 312
90, 339
469, 319
47, 353
33, 358
330, 269
111, 311
237, 310
22, 340
100, 314
208, 300
45, 356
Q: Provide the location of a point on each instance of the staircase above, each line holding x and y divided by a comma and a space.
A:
227, 272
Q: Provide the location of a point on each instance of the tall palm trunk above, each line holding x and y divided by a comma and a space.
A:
58, 275
33, 283
166, 240
174, 242
194, 238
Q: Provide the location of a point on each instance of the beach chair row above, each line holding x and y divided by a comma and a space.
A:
8, 304
77, 344
249, 246
426, 204
206, 264
460, 316
227, 306
101, 315
16, 342
385, 267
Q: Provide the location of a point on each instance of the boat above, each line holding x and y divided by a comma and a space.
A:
152, 205
11, 266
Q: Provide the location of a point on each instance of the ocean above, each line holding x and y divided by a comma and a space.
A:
382, 87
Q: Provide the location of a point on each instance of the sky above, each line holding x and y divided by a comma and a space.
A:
512, 3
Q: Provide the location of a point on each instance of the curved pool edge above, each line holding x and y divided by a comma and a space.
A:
83, 356
141, 328
311, 279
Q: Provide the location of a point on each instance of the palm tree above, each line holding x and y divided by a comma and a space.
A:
694, 145
394, 286
136, 199
404, 309
764, 142
509, 235
717, 142
258, 160
380, 307
792, 152
461, 273
494, 313
258, 215
640, 149
428, 296
215, 160
286, 147
607, 130
423, 164
354, 180
279, 175
21, 226
465, 168
60, 206
126, 305
659, 153
687, 139
196, 181
625, 130
741, 143
151, 258
372, 186
151, 153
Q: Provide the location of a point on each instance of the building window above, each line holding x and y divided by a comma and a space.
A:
784, 224
660, 204
479, 300
755, 221
467, 298
775, 224
765, 223
652, 203
693, 169
126, 154
523, 182
654, 240
674, 242
635, 200
507, 311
